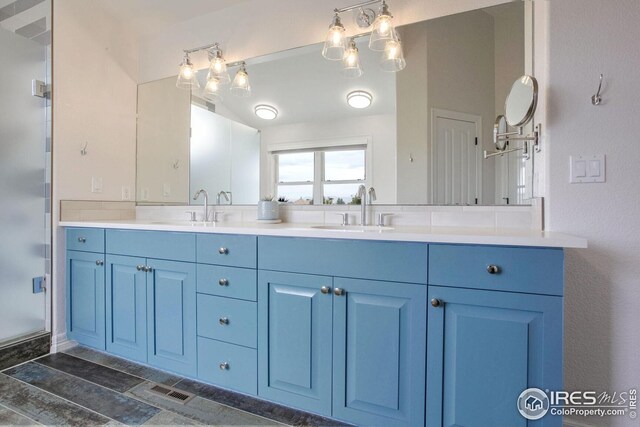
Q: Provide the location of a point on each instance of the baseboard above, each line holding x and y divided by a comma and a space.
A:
24, 349
61, 342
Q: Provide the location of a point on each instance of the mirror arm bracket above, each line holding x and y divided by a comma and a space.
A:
533, 138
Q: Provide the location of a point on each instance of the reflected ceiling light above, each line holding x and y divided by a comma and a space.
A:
218, 65
212, 89
383, 30
266, 112
187, 77
335, 44
351, 61
393, 57
359, 99
240, 86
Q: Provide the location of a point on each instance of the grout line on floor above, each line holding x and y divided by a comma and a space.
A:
61, 398
21, 414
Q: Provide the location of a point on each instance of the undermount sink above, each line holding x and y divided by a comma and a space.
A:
353, 228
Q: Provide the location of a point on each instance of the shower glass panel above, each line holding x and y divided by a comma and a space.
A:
24, 183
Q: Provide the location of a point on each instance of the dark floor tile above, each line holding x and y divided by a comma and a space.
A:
200, 410
167, 418
99, 399
123, 365
106, 377
43, 407
20, 352
256, 406
12, 418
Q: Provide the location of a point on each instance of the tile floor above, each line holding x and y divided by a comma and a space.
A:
81, 387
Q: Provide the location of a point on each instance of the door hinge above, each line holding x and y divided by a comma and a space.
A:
476, 140
476, 200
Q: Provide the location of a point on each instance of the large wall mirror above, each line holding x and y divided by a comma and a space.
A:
418, 140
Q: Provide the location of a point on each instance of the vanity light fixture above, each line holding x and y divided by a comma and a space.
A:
212, 89
266, 112
335, 44
359, 99
240, 86
351, 61
383, 37
218, 65
187, 77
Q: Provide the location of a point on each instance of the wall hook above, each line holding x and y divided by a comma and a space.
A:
597, 99
176, 164
83, 150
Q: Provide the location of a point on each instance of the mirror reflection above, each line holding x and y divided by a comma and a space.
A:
309, 135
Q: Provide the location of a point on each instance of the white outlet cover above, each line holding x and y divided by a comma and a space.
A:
96, 184
587, 169
166, 190
126, 193
145, 194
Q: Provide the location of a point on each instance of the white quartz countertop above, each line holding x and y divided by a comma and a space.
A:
464, 235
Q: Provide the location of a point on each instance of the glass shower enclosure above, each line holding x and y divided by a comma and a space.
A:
25, 129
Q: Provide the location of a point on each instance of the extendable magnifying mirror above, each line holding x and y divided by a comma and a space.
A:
520, 107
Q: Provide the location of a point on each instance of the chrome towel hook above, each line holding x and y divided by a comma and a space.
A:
597, 99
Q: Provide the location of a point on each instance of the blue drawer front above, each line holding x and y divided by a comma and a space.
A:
85, 239
229, 282
230, 320
227, 249
389, 261
152, 244
530, 270
228, 366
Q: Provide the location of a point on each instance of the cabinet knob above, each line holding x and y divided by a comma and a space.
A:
223, 251
99, 262
493, 269
325, 290
224, 320
339, 292
224, 366
223, 282
436, 302
140, 267
82, 240
147, 269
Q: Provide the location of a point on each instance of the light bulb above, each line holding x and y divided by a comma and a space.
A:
240, 86
335, 44
187, 77
218, 65
382, 30
351, 61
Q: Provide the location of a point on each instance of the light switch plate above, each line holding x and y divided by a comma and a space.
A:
126, 192
587, 169
96, 184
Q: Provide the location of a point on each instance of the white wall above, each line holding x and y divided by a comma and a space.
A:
602, 303
381, 128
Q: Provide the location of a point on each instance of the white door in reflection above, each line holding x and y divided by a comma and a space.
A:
456, 162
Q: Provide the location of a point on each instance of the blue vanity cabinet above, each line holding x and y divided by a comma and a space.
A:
126, 304
295, 339
379, 350
85, 298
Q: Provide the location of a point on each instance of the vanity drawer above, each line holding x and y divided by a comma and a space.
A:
226, 319
85, 239
152, 244
232, 282
359, 259
227, 249
530, 270
227, 365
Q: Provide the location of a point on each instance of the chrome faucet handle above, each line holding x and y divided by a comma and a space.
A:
192, 216
381, 217
372, 194
345, 218
215, 216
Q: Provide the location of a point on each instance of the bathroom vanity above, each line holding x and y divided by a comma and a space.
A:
405, 327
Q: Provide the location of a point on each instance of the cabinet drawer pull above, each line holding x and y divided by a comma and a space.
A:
325, 290
224, 320
223, 251
82, 240
223, 282
493, 269
224, 366
339, 292
436, 302
100, 262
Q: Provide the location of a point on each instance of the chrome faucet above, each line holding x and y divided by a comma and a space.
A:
206, 202
225, 195
362, 194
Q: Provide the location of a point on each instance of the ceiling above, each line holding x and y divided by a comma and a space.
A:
147, 16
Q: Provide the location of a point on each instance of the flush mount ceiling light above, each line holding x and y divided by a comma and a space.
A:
383, 37
359, 99
266, 112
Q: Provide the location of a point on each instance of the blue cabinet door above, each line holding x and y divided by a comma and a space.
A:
171, 316
127, 307
379, 348
85, 298
294, 344
484, 349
